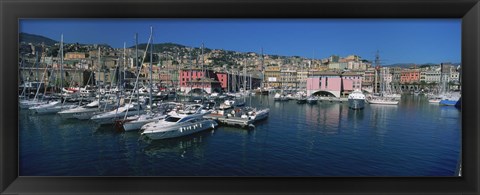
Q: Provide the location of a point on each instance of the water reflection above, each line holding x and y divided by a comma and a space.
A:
381, 117
187, 145
355, 118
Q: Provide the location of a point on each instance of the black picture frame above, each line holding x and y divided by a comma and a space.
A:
11, 11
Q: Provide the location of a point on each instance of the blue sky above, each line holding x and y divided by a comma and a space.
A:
398, 40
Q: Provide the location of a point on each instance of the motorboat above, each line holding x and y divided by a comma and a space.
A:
255, 114
231, 103
280, 97
312, 100
356, 100
179, 123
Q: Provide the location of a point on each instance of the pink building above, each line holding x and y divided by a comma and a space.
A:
334, 83
222, 78
326, 82
351, 81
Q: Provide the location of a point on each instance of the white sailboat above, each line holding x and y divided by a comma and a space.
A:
137, 121
55, 106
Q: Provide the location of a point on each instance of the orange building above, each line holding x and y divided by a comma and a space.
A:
410, 76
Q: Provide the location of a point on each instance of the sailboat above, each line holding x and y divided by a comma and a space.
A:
137, 121
386, 96
58, 105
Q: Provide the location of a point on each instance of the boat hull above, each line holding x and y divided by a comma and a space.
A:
180, 130
448, 102
356, 104
112, 118
137, 124
54, 109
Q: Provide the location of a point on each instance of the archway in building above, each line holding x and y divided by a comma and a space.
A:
197, 91
323, 94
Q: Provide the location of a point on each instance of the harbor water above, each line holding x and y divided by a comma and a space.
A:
414, 138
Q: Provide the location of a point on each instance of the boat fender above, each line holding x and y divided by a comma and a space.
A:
213, 126
181, 129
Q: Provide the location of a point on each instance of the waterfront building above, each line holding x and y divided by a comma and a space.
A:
368, 79
408, 76
272, 76
454, 77
302, 79
431, 76
351, 81
206, 84
327, 83
288, 78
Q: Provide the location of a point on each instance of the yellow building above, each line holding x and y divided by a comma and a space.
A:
74, 55
272, 76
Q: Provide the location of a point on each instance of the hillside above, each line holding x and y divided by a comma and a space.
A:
36, 39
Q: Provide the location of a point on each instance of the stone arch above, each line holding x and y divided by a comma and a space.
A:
324, 93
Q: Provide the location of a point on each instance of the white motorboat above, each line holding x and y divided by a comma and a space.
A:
111, 116
256, 114
356, 100
173, 126
179, 123
312, 100
280, 97
232, 103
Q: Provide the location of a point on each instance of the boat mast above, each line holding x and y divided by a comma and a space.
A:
151, 64
377, 68
61, 64
191, 67
263, 71
138, 71
245, 76
203, 73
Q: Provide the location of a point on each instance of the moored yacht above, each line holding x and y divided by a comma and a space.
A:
179, 123
312, 100
356, 100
